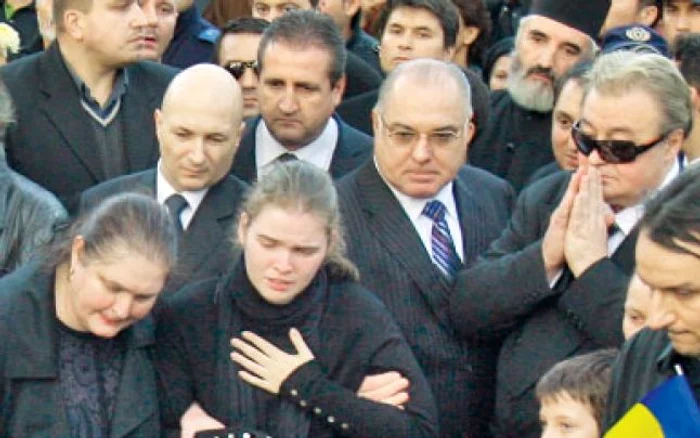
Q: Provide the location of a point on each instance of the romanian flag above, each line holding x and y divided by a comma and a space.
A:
668, 411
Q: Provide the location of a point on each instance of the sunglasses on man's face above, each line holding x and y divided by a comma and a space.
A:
611, 151
237, 68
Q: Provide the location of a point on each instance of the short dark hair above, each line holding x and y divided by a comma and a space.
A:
659, 9
578, 73
474, 13
61, 6
134, 220
673, 215
443, 10
248, 25
585, 378
307, 28
687, 54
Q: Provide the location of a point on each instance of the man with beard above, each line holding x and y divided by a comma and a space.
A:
554, 37
680, 17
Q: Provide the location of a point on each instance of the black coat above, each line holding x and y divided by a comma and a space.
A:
516, 142
356, 337
507, 295
31, 403
206, 249
53, 141
393, 263
193, 40
352, 149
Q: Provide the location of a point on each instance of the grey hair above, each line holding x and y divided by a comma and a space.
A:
300, 186
428, 72
619, 73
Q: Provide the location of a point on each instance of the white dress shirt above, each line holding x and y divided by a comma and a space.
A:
194, 198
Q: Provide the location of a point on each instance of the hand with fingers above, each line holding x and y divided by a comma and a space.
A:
553, 243
586, 239
266, 366
195, 419
389, 388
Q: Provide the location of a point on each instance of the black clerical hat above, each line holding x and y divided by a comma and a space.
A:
586, 16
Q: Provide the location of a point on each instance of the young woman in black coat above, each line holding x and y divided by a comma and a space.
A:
75, 357
280, 347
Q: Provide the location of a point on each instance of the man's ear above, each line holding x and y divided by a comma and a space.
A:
74, 23
468, 35
648, 15
351, 7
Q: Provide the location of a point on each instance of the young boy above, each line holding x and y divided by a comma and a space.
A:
573, 395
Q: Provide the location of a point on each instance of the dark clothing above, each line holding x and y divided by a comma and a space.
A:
31, 393
645, 362
360, 77
506, 294
205, 249
365, 46
394, 263
351, 150
543, 172
29, 216
25, 23
89, 373
53, 142
516, 142
193, 41
349, 332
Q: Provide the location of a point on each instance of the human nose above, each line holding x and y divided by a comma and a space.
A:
421, 150
149, 12
196, 151
546, 57
288, 102
682, 23
283, 260
122, 305
660, 313
594, 158
249, 79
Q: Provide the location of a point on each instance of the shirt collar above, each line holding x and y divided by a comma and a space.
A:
121, 82
164, 190
271, 149
414, 206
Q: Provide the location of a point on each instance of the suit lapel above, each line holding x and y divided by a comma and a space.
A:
61, 106
623, 257
471, 219
244, 164
390, 225
344, 155
136, 115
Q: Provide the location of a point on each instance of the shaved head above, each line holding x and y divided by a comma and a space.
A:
199, 126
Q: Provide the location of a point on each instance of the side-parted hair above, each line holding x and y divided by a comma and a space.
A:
618, 73
300, 186
443, 10
426, 71
128, 221
585, 379
474, 13
307, 28
61, 6
672, 216
242, 25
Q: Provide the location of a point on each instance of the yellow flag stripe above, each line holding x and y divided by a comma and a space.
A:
637, 422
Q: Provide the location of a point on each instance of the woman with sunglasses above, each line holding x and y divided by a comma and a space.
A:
281, 345
75, 351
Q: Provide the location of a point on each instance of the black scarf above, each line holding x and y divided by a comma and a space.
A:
242, 306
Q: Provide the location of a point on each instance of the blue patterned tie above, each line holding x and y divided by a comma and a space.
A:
444, 254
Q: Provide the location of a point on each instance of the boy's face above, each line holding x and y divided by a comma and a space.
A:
562, 416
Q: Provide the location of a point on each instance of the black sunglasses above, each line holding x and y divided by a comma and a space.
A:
611, 151
237, 68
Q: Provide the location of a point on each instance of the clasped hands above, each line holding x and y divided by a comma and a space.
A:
577, 235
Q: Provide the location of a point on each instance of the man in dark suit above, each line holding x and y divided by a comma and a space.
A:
84, 106
553, 285
301, 63
198, 129
415, 214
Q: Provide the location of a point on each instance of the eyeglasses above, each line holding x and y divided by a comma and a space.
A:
406, 137
237, 68
611, 151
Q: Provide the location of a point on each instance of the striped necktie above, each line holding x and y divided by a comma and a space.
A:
444, 254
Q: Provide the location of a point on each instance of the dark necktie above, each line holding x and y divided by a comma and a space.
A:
444, 254
176, 203
286, 157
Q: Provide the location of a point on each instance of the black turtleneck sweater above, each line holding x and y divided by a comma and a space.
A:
349, 331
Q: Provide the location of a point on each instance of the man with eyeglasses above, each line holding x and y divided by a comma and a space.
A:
415, 215
553, 285
301, 62
236, 51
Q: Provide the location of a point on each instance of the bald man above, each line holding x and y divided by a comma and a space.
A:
198, 127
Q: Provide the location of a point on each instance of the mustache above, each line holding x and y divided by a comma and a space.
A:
547, 72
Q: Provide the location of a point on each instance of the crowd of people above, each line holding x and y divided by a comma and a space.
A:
357, 218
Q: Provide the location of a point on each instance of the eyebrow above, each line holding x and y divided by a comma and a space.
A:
115, 285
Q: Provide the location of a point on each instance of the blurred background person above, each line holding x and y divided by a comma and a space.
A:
346, 14
687, 54
194, 37
237, 52
161, 35
47, 27
474, 34
680, 17
220, 12
497, 64
637, 305
75, 359
629, 12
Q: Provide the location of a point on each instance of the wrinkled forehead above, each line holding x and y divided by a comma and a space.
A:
555, 31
